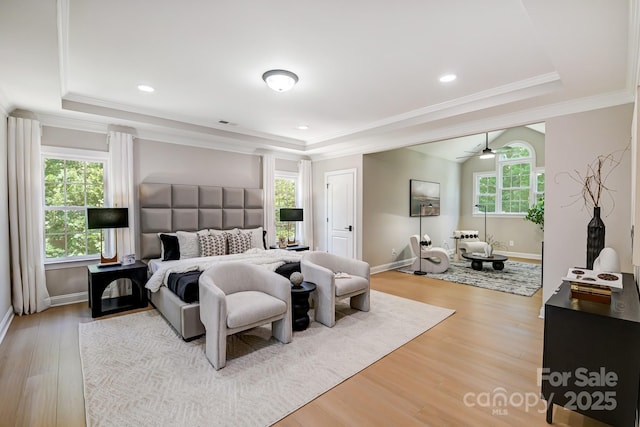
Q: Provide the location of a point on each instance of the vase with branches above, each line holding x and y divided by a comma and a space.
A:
593, 188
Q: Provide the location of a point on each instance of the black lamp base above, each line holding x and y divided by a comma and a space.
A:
419, 273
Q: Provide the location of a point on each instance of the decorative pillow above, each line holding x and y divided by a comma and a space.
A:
170, 246
238, 242
257, 240
212, 244
189, 247
426, 242
216, 231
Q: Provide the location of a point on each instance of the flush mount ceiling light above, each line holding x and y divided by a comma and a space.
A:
448, 78
303, 127
280, 80
145, 88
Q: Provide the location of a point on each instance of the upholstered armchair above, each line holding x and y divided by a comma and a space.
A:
467, 241
428, 258
321, 268
236, 296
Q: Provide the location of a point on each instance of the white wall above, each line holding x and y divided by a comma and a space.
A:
572, 142
5, 278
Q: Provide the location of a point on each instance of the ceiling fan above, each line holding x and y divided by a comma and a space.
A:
486, 153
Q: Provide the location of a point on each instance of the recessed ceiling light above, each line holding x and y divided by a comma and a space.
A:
448, 78
145, 88
303, 127
280, 80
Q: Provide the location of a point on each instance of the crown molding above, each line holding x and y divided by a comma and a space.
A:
197, 136
512, 92
84, 104
167, 135
519, 118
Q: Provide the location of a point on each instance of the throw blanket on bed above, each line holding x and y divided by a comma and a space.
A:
270, 259
186, 286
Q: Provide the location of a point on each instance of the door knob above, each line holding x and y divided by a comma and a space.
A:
350, 228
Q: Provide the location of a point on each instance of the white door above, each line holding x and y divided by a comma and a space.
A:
340, 190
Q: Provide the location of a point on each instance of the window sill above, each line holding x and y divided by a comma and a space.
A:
61, 264
496, 215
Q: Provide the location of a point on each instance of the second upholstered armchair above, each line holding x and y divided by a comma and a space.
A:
336, 278
236, 296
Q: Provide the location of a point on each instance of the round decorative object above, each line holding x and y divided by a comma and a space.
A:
296, 278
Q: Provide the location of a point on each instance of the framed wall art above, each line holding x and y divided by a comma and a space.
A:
424, 198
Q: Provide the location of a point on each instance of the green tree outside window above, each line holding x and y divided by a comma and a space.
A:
70, 186
285, 197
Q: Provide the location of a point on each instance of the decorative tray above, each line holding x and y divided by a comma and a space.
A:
590, 277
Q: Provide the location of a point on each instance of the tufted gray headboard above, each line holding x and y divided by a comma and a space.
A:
171, 207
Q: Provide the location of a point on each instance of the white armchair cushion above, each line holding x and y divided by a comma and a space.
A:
346, 286
249, 307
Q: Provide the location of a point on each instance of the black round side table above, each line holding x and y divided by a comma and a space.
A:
300, 305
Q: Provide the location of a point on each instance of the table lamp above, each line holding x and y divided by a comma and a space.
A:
107, 218
291, 215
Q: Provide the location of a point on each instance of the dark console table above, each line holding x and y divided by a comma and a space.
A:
300, 305
100, 277
297, 248
591, 358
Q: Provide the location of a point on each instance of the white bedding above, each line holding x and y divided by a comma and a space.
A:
270, 259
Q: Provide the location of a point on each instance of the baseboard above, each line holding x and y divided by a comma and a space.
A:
520, 255
391, 266
69, 299
6, 321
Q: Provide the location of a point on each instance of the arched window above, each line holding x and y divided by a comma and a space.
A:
515, 185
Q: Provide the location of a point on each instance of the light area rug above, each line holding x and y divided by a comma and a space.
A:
520, 278
138, 372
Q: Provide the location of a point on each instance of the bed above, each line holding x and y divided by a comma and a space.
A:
184, 210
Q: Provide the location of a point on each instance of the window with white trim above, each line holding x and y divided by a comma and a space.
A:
539, 192
286, 196
72, 180
513, 187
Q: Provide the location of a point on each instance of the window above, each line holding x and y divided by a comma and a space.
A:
514, 187
72, 181
486, 191
539, 185
286, 192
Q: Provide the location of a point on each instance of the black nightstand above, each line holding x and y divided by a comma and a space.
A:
296, 248
101, 277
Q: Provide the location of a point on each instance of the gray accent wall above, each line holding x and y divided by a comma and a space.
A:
387, 224
180, 164
5, 278
572, 142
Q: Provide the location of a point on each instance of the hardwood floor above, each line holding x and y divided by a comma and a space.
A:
492, 344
